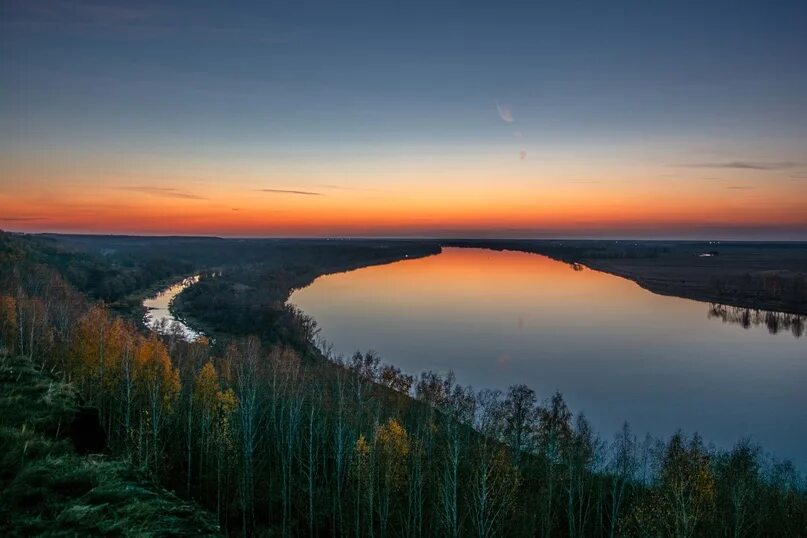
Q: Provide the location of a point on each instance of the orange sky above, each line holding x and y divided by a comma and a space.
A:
330, 119
498, 196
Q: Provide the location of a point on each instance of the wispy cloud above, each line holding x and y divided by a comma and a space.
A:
288, 191
340, 187
740, 188
505, 113
165, 192
20, 219
349, 188
745, 165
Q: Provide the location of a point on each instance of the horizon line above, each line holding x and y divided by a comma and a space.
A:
407, 237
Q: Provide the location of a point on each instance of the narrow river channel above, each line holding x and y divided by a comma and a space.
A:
159, 316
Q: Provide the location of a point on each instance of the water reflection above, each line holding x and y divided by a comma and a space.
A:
617, 351
745, 317
158, 311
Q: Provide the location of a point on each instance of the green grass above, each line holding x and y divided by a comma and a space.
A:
47, 489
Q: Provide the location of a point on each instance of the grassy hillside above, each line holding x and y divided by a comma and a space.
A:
48, 488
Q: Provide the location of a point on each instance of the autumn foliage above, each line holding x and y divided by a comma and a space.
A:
289, 441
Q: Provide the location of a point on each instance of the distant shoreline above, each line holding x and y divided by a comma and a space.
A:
769, 276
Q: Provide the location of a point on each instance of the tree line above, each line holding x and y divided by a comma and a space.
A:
278, 440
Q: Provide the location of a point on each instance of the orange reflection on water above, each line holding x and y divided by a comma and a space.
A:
461, 275
616, 351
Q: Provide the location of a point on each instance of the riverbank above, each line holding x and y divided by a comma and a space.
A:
252, 299
132, 306
160, 313
764, 276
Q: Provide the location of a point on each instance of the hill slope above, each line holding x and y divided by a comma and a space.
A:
49, 488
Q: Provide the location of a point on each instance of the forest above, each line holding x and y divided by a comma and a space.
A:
275, 435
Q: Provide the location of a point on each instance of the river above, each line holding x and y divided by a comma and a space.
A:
158, 310
616, 351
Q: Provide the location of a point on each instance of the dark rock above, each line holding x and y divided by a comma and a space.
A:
86, 432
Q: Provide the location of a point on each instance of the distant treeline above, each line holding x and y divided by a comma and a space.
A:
277, 438
250, 299
571, 250
101, 273
789, 291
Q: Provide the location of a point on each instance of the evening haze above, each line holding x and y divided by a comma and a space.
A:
606, 119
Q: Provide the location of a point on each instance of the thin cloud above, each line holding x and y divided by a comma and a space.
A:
340, 187
20, 219
166, 192
740, 188
288, 191
505, 113
349, 188
745, 165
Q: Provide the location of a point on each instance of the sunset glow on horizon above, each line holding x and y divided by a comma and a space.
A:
286, 122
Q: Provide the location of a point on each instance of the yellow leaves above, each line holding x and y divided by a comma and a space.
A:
216, 403
393, 440
686, 489
361, 449
206, 386
226, 402
99, 342
151, 358
706, 483
361, 466
393, 447
153, 369
386, 455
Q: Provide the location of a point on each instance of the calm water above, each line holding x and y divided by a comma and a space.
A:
159, 314
616, 351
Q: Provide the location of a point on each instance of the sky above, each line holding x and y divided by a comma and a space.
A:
474, 119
